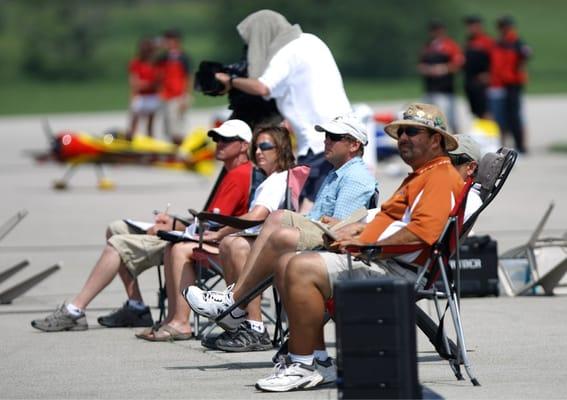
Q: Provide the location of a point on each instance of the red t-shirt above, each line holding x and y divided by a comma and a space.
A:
174, 67
147, 73
233, 192
508, 59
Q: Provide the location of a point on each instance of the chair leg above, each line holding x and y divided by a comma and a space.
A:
162, 296
426, 324
455, 315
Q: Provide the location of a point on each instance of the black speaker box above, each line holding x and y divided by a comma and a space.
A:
479, 267
376, 340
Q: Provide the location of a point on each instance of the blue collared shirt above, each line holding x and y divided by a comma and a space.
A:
344, 190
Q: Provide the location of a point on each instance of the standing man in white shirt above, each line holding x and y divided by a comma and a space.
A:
299, 72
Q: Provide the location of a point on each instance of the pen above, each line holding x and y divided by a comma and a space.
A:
156, 212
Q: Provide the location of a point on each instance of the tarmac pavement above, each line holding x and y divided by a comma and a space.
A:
517, 345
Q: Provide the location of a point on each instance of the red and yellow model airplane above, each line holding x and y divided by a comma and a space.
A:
76, 148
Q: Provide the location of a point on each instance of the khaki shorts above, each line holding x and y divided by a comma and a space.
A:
310, 236
174, 117
337, 269
137, 251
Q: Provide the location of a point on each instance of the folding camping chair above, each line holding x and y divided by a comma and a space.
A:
204, 261
528, 255
494, 169
211, 276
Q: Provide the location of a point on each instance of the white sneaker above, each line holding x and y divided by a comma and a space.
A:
212, 303
290, 376
327, 369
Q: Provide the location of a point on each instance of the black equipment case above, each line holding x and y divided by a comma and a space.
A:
479, 267
376, 340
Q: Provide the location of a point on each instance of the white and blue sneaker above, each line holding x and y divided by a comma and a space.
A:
212, 303
327, 369
289, 376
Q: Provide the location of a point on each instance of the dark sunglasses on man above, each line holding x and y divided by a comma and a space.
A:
410, 131
460, 159
218, 138
334, 137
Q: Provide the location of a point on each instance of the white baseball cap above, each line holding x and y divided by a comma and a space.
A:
345, 125
233, 128
467, 145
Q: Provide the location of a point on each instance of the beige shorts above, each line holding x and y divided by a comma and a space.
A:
174, 116
137, 251
337, 269
310, 236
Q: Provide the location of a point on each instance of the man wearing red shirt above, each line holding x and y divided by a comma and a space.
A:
508, 72
176, 86
440, 60
129, 251
478, 47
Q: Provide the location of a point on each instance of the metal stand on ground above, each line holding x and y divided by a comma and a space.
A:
15, 291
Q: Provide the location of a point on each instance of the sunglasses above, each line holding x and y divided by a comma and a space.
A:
265, 146
219, 138
411, 131
460, 159
333, 137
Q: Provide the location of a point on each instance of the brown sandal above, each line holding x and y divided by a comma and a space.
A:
148, 331
166, 333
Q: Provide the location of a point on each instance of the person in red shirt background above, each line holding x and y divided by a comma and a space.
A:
176, 85
441, 58
509, 57
144, 81
478, 47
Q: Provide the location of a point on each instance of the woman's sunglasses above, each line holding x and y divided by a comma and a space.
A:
265, 146
411, 131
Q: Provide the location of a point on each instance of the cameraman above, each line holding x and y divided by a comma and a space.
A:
299, 72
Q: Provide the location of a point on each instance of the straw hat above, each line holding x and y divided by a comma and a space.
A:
427, 116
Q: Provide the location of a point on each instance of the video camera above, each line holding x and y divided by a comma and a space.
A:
205, 80
253, 110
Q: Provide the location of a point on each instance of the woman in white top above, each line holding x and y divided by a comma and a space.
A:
270, 151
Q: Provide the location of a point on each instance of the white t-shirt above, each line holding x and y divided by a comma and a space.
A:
307, 86
271, 192
473, 201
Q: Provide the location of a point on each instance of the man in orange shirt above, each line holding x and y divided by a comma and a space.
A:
416, 213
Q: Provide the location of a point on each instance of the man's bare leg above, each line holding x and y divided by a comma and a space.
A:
270, 225
306, 288
233, 253
130, 283
104, 271
280, 242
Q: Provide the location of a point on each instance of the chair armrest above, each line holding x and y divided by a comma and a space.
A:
231, 221
184, 220
373, 251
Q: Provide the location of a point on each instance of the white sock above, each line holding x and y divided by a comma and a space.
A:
307, 360
74, 310
136, 304
257, 326
321, 355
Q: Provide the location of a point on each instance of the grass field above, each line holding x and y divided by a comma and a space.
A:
40, 97
540, 24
